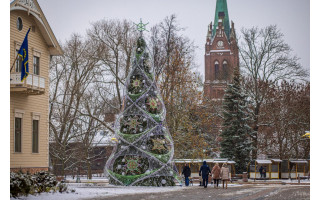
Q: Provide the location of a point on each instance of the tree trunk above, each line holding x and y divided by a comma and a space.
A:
255, 134
89, 170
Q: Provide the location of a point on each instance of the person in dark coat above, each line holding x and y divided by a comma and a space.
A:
186, 172
204, 172
261, 172
264, 171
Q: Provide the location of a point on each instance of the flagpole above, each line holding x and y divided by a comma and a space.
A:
14, 62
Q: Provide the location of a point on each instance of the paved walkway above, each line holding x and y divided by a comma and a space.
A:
244, 192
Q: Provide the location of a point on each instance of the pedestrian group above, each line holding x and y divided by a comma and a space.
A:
216, 172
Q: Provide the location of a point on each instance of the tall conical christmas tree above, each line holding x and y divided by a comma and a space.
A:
236, 144
144, 152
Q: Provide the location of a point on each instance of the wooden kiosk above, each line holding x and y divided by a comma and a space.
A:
275, 168
255, 174
294, 168
272, 167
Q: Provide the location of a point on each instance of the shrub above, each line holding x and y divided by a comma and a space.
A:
24, 184
21, 184
44, 181
62, 187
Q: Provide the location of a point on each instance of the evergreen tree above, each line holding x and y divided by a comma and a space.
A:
235, 144
144, 152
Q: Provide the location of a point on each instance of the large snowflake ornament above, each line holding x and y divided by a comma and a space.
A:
132, 165
158, 144
153, 104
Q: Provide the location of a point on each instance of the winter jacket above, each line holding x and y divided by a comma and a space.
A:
216, 172
260, 170
224, 173
204, 170
186, 171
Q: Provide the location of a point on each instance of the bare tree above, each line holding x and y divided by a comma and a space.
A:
285, 118
173, 56
116, 40
87, 128
70, 77
265, 57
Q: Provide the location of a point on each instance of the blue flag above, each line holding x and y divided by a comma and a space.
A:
23, 53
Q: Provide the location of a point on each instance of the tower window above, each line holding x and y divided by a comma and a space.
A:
216, 70
225, 69
19, 24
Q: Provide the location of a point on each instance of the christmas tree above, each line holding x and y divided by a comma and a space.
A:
144, 152
236, 144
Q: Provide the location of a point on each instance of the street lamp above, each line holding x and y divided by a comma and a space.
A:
78, 177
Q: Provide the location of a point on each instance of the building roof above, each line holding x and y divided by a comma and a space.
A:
264, 161
299, 161
222, 10
201, 160
33, 8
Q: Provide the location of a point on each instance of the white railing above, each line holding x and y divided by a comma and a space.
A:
31, 81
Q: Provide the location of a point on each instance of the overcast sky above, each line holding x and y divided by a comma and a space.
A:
291, 16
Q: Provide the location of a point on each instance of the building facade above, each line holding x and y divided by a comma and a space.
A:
29, 100
221, 53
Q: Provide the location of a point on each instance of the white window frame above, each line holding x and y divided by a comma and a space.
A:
36, 53
35, 116
17, 114
17, 48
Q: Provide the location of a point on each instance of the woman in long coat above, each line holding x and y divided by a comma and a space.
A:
216, 174
224, 174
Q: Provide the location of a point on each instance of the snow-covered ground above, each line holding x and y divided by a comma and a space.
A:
85, 191
98, 187
280, 180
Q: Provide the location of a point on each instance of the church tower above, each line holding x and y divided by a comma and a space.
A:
221, 53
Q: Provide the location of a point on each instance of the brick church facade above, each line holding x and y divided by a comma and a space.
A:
221, 53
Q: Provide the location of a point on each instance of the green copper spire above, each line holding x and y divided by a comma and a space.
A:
221, 6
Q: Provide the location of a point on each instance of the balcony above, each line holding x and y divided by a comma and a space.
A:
33, 85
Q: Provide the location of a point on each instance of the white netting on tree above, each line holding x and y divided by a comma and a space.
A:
144, 152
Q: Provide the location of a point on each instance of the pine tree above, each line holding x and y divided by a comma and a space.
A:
235, 144
144, 152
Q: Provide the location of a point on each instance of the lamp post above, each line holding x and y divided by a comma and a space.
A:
78, 177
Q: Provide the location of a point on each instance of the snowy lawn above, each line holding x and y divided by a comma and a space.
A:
86, 192
91, 192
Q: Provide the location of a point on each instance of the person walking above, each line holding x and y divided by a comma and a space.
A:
216, 174
261, 172
224, 175
204, 172
186, 172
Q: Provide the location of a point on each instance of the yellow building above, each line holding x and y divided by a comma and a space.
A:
29, 100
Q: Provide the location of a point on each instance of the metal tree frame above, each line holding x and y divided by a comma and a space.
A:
144, 152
